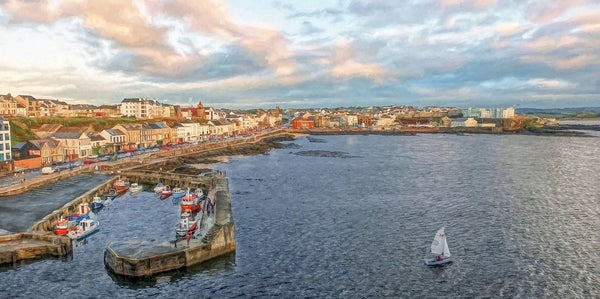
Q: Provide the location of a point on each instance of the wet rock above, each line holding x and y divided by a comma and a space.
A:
333, 154
316, 140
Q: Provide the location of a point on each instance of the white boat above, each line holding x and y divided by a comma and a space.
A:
439, 248
159, 188
85, 228
186, 226
135, 188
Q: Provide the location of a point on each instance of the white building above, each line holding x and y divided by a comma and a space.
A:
142, 108
4, 140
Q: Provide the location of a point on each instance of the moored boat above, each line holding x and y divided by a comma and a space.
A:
159, 188
166, 192
82, 213
186, 226
97, 203
63, 226
439, 248
112, 193
190, 201
135, 188
85, 228
121, 185
178, 192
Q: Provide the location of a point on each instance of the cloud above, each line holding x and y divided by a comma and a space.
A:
547, 44
212, 17
477, 4
567, 63
509, 28
344, 64
542, 11
550, 83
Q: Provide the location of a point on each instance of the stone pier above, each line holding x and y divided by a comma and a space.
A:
123, 259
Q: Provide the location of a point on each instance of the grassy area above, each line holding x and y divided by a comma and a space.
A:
18, 134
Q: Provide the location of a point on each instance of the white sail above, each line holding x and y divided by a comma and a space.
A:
446, 249
437, 246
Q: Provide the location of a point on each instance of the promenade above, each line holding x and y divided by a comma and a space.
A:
130, 163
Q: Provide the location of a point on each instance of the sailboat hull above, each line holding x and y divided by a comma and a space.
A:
433, 262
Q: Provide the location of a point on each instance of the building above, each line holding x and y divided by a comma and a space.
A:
464, 122
115, 139
5, 148
141, 108
299, 123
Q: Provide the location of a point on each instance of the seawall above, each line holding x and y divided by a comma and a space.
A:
219, 240
27, 246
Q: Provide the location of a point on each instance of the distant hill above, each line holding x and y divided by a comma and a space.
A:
558, 111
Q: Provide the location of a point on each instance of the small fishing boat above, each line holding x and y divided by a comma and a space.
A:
112, 193
83, 212
121, 185
135, 188
190, 201
159, 188
439, 248
178, 192
166, 192
85, 228
63, 226
97, 203
186, 226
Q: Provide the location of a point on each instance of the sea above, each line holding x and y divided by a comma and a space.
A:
354, 217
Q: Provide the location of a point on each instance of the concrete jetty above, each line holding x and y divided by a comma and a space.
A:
28, 246
143, 260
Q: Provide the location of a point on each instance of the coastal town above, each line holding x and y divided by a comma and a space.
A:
43, 132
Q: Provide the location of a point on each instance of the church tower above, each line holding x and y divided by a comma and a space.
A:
200, 111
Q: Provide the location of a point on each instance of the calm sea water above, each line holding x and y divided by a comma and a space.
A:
522, 218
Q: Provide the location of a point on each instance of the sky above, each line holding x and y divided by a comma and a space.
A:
244, 54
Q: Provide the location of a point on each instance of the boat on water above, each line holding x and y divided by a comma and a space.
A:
159, 188
186, 226
97, 203
112, 194
440, 250
83, 211
190, 201
85, 228
135, 188
121, 185
166, 192
178, 192
64, 226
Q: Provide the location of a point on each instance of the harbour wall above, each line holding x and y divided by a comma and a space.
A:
27, 246
219, 241
47, 223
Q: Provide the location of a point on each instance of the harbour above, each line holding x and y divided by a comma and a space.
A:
356, 240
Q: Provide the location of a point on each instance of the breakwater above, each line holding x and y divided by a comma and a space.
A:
132, 261
27, 246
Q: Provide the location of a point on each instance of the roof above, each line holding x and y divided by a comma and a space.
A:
19, 145
66, 135
39, 143
28, 97
158, 125
114, 132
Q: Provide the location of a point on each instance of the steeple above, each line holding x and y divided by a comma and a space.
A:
200, 111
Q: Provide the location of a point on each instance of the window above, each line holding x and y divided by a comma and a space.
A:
1, 137
1, 146
7, 156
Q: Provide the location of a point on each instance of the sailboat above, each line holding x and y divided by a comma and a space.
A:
439, 248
